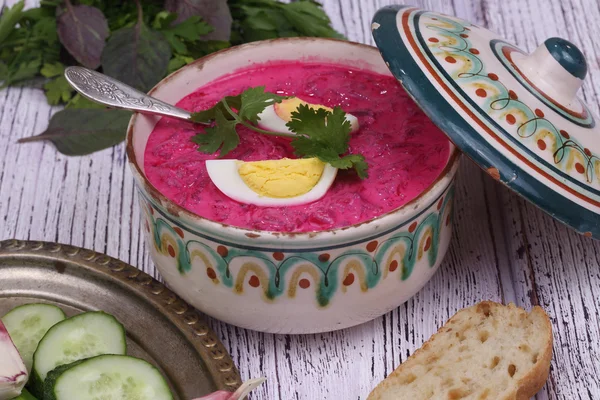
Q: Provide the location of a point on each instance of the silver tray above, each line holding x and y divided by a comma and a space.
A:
161, 327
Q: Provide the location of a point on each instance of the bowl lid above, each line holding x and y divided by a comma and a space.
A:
515, 114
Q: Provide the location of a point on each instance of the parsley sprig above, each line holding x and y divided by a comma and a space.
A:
317, 132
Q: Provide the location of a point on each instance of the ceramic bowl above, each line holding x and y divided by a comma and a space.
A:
290, 282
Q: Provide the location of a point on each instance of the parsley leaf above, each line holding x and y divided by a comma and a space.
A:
9, 18
58, 90
78, 101
178, 35
205, 116
254, 101
220, 136
325, 135
268, 19
50, 70
317, 132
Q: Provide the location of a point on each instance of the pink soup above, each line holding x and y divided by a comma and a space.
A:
404, 149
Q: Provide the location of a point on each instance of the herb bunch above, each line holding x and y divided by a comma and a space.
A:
316, 132
137, 42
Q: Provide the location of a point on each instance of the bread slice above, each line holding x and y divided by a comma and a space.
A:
485, 352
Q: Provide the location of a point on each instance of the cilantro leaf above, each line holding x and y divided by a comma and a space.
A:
78, 101
177, 62
317, 132
50, 70
356, 161
220, 136
325, 135
331, 129
234, 102
254, 101
23, 71
10, 17
267, 19
58, 90
182, 33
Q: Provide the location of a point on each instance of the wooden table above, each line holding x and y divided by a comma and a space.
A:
504, 249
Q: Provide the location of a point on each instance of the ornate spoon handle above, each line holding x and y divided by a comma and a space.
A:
113, 93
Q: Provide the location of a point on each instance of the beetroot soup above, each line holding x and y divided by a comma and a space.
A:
404, 150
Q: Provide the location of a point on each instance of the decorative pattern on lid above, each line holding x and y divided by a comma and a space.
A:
514, 114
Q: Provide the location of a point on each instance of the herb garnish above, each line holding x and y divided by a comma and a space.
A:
135, 41
317, 132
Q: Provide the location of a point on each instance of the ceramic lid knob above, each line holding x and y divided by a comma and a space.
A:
557, 68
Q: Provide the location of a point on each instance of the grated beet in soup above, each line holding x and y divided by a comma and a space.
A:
405, 151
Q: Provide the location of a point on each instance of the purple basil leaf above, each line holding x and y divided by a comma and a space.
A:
137, 55
214, 12
77, 132
83, 31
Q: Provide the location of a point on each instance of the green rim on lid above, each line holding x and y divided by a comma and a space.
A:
517, 115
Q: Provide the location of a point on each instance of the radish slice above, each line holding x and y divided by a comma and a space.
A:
239, 394
13, 374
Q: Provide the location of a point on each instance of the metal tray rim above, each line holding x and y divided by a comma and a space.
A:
187, 319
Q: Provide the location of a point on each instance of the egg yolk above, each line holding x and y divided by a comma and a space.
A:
286, 107
283, 178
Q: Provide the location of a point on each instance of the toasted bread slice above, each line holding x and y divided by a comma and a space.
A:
485, 352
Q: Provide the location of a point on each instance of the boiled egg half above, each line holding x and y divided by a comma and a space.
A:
275, 116
285, 182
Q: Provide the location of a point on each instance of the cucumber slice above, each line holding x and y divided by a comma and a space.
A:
27, 325
82, 336
107, 377
25, 395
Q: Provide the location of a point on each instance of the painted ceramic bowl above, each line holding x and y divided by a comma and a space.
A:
290, 282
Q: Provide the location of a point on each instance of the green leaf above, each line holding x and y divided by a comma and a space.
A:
308, 7
45, 29
83, 31
189, 30
221, 136
260, 20
234, 102
163, 20
201, 48
10, 17
24, 71
25, 395
3, 71
137, 56
50, 70
77, 132
78, 101
254, 101
58, 90
177, 62
325, 135
306, 23
330, 128
35, 14
356, 161
265, 19
215, 12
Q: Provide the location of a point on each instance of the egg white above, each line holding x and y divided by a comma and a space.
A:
224, 174
270, 121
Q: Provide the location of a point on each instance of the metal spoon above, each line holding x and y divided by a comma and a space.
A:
105, 90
